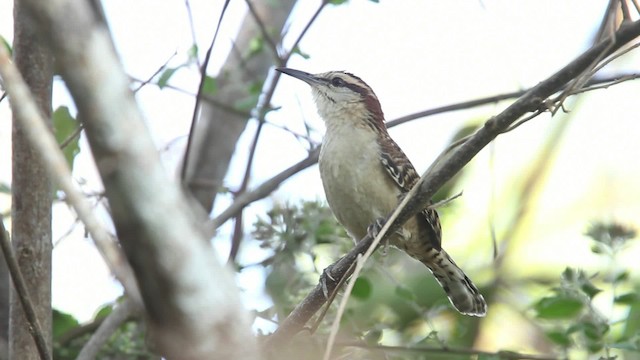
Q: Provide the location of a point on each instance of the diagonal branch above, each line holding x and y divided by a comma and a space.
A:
451, 162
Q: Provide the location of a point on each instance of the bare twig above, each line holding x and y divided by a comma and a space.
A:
109, 325
315, 15
196, 106
72, 136
44, 142
21, 288
445, 168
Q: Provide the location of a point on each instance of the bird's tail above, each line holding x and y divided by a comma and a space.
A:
462, 293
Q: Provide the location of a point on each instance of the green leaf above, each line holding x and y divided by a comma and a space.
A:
104, 311
559, 337
361, 289
5, 188
210, 86
247, 103
405, 293
303, 54
588, 288
256, 45
337, 2
372, 337
193, 52
621, 277
62, 322
628, 298
6, 45
165, 76
64, 125
558, 307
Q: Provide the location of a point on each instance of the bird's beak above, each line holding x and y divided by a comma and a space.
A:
304, 76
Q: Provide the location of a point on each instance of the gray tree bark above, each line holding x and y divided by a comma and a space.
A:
218, 129
32, 193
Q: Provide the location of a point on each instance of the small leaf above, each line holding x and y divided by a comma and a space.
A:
628, 298
361, 289
588, 288
166, 75
192, 53
303, 54
210, 86
5, 188
337, 2
247, 103
6, 45
621, 277
104, 311
405, 293
63, 322
559, 337
65, 125
372, 337
256, 45
558, 307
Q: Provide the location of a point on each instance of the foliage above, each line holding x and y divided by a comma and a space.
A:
400, 305
69, 336
571, 320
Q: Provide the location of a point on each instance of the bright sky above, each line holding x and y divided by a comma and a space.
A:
416, 55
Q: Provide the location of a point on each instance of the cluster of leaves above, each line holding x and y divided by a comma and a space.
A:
69, 337
297, 235
569, 315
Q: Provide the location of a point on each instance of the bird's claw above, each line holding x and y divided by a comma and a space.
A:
374, 229
326, 274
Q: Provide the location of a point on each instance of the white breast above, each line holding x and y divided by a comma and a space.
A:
356, 185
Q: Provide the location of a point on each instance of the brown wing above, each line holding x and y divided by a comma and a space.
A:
398, 166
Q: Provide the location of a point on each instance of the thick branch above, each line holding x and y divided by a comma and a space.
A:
441, 171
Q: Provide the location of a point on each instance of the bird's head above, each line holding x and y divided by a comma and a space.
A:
341, 96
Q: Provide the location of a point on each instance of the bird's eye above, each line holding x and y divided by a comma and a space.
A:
336, 81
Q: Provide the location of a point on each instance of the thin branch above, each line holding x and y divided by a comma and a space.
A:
196, 106
187, 5
72, 136
155, 73
109, 325
21, 288
207, 98
45, 144
445, 167
315, 15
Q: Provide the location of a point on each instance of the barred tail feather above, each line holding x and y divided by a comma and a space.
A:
462, 293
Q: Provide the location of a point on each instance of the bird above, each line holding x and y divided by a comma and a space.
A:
365, 174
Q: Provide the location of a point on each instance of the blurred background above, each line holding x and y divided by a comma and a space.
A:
547, 213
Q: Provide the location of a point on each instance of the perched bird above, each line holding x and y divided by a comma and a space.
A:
365, 174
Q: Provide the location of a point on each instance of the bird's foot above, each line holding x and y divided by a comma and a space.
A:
326, 274
374, 229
